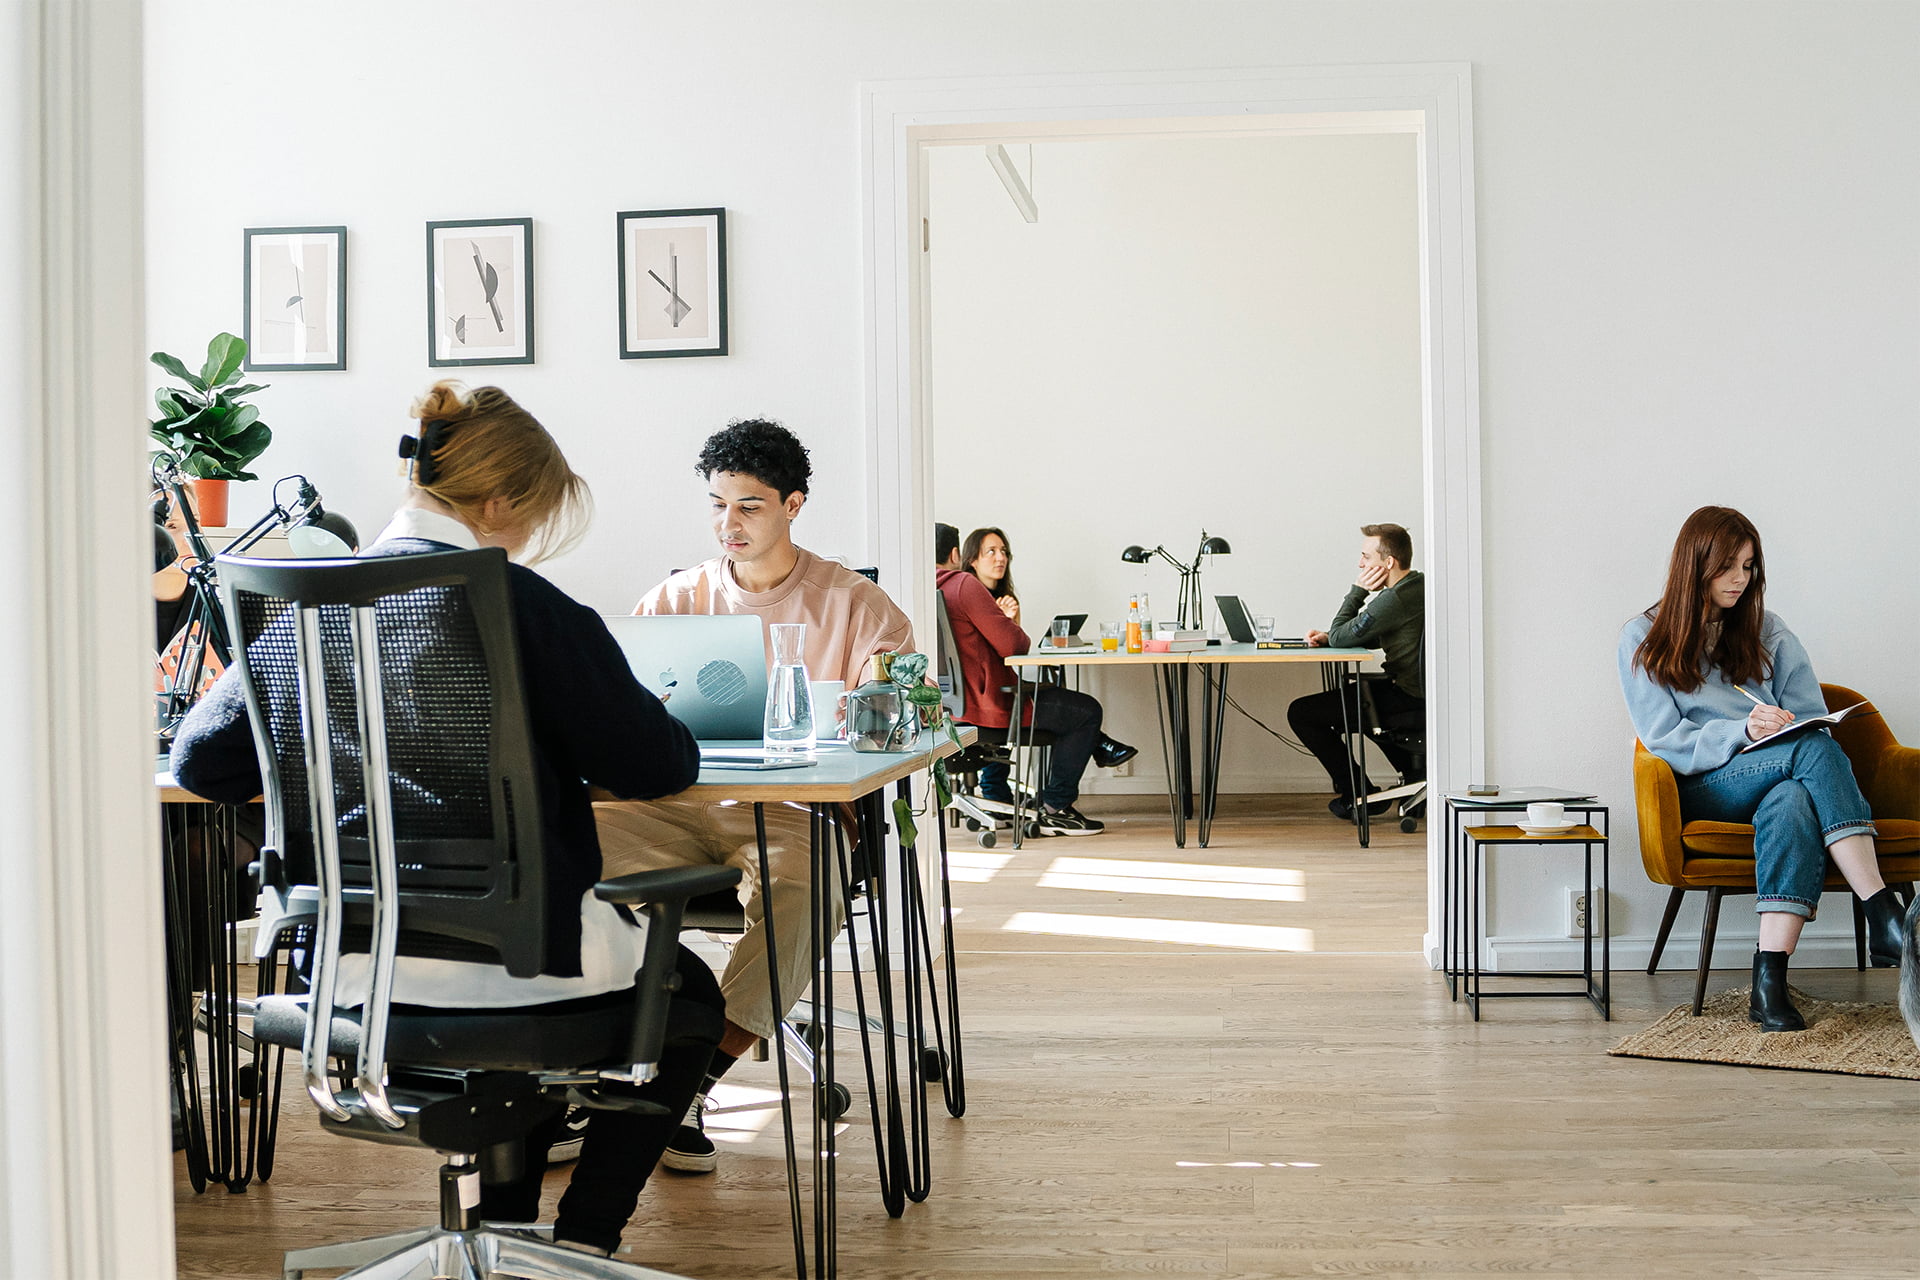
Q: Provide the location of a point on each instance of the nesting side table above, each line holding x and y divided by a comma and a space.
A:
1469, 834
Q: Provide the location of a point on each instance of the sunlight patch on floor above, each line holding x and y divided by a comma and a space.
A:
1175, 879
1192, 933
964, 866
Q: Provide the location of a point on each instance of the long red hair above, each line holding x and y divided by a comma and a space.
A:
1674, 648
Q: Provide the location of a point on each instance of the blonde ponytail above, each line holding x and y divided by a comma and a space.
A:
477, 445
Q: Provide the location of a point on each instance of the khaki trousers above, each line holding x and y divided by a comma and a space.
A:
650, 835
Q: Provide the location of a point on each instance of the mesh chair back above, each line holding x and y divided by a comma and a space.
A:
953, 687
442, 744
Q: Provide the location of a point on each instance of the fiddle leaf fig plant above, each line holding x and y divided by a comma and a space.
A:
206, 423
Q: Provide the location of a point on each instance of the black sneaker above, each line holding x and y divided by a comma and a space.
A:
1342, 808
1069, 822
567, 1147
689, 1150
1107, 753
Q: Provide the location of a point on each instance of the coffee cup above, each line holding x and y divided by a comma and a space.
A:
829, 709
1546, 813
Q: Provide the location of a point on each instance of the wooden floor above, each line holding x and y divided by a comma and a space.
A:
1179, 1108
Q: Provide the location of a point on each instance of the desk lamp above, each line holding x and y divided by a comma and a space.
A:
1193, 609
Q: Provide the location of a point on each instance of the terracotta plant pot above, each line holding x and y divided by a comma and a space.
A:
210, 503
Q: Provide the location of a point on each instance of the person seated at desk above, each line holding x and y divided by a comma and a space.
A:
485, 473
1393, 619
986, 631
757, 473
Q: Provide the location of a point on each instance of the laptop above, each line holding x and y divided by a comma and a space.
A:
1233, 612
710, 669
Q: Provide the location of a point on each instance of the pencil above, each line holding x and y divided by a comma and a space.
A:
1751, 698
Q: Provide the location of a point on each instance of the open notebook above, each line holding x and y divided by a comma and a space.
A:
1801, 726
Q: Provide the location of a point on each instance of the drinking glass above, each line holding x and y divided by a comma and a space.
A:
1263, 628
1062, 630
1110, 633
789, 722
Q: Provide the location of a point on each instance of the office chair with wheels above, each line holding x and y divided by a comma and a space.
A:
1402, 734
403, 815
1022, 752
1717, 857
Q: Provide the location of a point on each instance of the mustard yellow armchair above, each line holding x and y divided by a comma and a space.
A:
1718, 856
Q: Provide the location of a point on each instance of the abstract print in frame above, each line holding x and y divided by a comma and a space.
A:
480, 292
294, 298
673, 283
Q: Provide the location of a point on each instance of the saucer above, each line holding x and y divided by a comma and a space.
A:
1555, 829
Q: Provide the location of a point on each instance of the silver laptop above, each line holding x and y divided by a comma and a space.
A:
710, 669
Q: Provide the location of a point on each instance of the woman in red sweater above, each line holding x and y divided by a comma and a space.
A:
986, 633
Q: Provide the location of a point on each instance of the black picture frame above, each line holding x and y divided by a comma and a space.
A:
278, 342
648, 255
500, 293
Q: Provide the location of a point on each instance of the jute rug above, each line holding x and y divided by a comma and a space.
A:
1853, 1039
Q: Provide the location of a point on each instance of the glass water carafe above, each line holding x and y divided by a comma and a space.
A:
789, 723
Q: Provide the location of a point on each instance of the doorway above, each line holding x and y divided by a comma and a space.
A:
1432, 104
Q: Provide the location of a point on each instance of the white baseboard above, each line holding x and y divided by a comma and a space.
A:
1730, 951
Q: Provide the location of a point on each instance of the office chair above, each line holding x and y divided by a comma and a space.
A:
1022, 752
1402, 734
403, 815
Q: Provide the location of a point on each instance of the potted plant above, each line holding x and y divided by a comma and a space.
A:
208, 427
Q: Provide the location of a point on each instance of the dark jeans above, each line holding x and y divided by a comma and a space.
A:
621, 1148
1316, 721
1073, 718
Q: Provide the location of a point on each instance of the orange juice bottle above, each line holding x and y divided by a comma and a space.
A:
1136, 640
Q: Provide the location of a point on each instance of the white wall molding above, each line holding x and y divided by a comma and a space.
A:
86, 1183
901, 118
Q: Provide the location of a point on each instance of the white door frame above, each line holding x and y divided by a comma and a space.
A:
86, 1179
901, 119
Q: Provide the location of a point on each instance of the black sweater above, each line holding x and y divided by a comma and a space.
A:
591, 722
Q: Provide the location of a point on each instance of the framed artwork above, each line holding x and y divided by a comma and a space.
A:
295, 298
673, 283
480, 292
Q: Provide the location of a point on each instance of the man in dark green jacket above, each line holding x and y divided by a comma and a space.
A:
1384, 609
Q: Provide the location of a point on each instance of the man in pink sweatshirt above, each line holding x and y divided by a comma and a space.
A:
756, 473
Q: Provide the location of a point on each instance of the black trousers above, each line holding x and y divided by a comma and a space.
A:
1073, 718
621, 1148
1316, 721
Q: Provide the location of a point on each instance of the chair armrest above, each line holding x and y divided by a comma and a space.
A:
670, 884
662, 896
1896, 783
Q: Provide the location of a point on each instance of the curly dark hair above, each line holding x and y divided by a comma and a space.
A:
761, 448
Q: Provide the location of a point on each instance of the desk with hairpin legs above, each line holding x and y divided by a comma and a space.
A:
1174, 706
900, 1129
229, 1122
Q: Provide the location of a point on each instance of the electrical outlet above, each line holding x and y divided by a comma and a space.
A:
1123, 770
1576, 913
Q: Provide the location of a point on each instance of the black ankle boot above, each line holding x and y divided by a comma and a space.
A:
1107, 753
1770, 1005
1883, 930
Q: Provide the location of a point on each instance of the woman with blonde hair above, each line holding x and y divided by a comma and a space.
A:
483, 472
1708, 671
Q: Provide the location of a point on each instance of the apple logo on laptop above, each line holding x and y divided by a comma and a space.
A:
667, 683
721, 682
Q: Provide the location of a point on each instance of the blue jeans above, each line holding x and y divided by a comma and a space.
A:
1800, 797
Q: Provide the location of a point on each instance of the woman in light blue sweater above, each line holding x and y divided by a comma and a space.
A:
1687, 666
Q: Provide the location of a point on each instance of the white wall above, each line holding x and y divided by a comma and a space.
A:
1217, 333
1697, 273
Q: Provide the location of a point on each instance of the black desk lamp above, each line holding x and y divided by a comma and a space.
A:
311, 529
1193, 609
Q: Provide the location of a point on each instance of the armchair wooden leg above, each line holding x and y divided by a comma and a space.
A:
1666, 927
1708, 928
